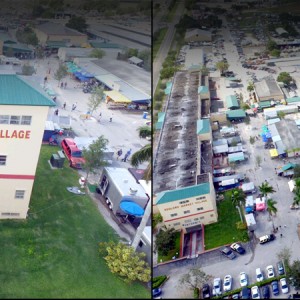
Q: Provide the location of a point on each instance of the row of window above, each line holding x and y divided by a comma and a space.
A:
2, 160
184, 201
185, 212
10, 214
15, 120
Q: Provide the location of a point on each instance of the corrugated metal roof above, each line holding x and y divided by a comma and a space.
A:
160, 121
203, 126
16, 90
202, 89
183, 193
236, 113
292, 100
231, 101
232, 157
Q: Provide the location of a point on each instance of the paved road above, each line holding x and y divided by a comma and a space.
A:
165, 45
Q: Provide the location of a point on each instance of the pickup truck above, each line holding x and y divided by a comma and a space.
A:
73, 154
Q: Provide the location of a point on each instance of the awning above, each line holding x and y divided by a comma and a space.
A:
273, 153
132, 208
117, 97
291, 184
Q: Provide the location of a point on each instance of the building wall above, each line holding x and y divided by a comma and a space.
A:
22, 157
189, 212
1, 47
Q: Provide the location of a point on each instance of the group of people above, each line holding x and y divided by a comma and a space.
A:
63, 85
120, 152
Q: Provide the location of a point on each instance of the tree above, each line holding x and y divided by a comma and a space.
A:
284, 77
144, 131
275, 53
271, 45
250, 87
281, 114
77, 23
285, 255
61, 73
296, 171
296, 200
165, 241
272, 210
124, 261
293, 274
238, 197
266, 189
97, 53
167, 72
222, 66
195, 278
157, 218
145, 55
144, 154
27, 70
94, 156
95, 99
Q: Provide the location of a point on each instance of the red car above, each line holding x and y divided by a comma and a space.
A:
73, 154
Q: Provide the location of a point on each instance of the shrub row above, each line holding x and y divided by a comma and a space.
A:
196, 293
158, 281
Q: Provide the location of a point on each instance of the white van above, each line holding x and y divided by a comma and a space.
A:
259, 275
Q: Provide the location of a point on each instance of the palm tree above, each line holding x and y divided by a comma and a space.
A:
272, 210
297, 196
238, 197
144, 154
266, 189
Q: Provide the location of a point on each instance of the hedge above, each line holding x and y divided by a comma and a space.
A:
158, 281
196, 293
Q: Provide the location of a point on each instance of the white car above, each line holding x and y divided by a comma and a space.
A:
259, 275
270, 271
227, 284
284, 286
255, 292
243, 279
217, 287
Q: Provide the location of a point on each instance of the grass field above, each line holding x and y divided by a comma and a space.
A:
161, 258
54, 253
225, 231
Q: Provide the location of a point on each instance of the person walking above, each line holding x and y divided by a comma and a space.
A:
64, 105
127, 155
119, 153
65, 85
74, 106
110, 119
56, 112
61, 84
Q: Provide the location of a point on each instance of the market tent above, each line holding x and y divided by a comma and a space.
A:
117, 97
286, 167
273, 153
260, 203
238, 156
132, 208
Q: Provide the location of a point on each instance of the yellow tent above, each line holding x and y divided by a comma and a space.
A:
273, 153
117, 97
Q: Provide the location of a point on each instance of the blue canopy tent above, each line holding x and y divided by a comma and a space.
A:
132, 208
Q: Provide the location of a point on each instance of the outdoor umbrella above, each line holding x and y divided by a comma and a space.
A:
132, 208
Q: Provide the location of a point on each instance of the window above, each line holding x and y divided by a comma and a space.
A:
4, 119
2, 160
26, 120
199, 198
185, 201
186, 211
10, 214
201, 218
173, 215
176, 224
19, 194
15, 120
199, 208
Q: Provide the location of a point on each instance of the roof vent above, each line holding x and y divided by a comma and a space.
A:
132, 191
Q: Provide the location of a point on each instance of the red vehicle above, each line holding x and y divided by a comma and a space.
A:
73, 154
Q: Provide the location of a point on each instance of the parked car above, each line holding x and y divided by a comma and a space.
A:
259, 275
243, 279
284, 286
217, 286
206, 291
246, 293
280, 268
266, 292
270, 271
238, 248
156, 292
228, 253
266, 238
275, 288
255, 292
73, 154
227, 283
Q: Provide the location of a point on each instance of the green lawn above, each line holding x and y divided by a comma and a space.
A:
161, 258
54, 253
225, 231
